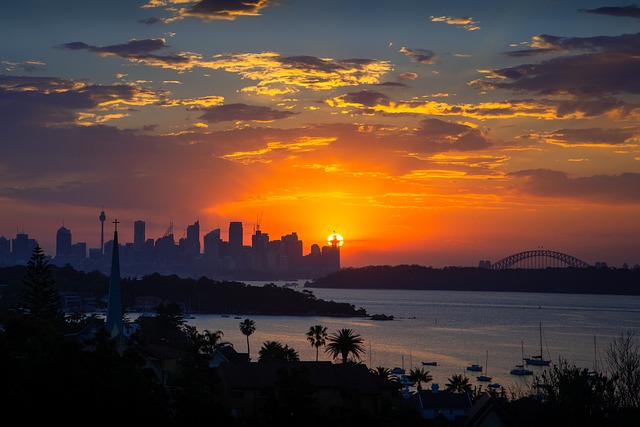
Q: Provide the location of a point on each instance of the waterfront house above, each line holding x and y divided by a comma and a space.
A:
227, 354
250, 390
434, 403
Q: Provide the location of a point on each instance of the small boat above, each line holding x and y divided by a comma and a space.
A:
538, 360
484, 377
520, 369
433, 363
398, 371
406, 381
474, 368
494, 385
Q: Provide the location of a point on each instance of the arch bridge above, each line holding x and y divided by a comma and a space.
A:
539, 258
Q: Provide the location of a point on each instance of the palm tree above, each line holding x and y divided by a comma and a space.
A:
458, 383
382, 372
343, 343
273, 351
317, 336
211, 340
247, 327
420, 375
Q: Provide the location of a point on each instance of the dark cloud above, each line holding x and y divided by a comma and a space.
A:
421, 56
592, 136
226, 9
623, 188
544, 43
132, 48
244, 112
53, 101
590, 75
305, 62
391, 84
150, 21
632, 11
407, 76
138, 50
367, 98
439, 135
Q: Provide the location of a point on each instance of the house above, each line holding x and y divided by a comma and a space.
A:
486, 412
227, 354
434, 403
250, 390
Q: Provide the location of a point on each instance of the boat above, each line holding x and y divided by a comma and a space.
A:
484, 377
538, 360
398, 371
474, 368
431, 363
406, 381
520, 369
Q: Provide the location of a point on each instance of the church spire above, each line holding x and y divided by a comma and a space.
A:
114, 312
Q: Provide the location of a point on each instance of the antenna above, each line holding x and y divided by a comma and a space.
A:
258, 220
169, 230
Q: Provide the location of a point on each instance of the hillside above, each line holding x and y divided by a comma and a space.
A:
561, 280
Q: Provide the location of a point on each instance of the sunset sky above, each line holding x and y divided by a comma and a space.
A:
424, 132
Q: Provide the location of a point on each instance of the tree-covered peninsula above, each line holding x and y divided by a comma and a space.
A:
416, 277
201, 295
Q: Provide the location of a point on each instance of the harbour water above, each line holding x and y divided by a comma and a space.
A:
455, 329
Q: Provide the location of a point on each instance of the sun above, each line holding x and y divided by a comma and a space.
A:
335, 239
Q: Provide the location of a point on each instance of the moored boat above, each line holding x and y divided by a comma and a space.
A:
538, 360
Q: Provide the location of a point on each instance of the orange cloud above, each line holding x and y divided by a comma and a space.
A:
288, 74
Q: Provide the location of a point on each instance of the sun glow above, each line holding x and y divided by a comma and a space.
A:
335, 240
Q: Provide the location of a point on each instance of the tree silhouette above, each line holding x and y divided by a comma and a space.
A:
39, 296
273, 351
317, 336
458, 383
343, 343
382, 372
623, 357
420, 375
207, 341
247, 327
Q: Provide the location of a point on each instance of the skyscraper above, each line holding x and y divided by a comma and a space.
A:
193, 239
63, 242
212, 243
235, 241
138, 235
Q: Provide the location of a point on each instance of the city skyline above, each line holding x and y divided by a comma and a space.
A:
423, 132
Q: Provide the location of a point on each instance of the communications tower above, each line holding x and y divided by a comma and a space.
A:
103, 217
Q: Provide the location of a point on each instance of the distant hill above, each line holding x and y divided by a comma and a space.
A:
561, 280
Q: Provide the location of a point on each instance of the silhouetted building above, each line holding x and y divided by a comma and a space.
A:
259, 250
212, 243
236, 241
138, 235
63, 242
192, 243
22, 247
165, 249
5, 251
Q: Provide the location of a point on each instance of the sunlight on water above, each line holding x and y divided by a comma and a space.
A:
455, 329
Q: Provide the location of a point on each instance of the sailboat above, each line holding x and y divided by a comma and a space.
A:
538, 360
484, 376
520, 369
